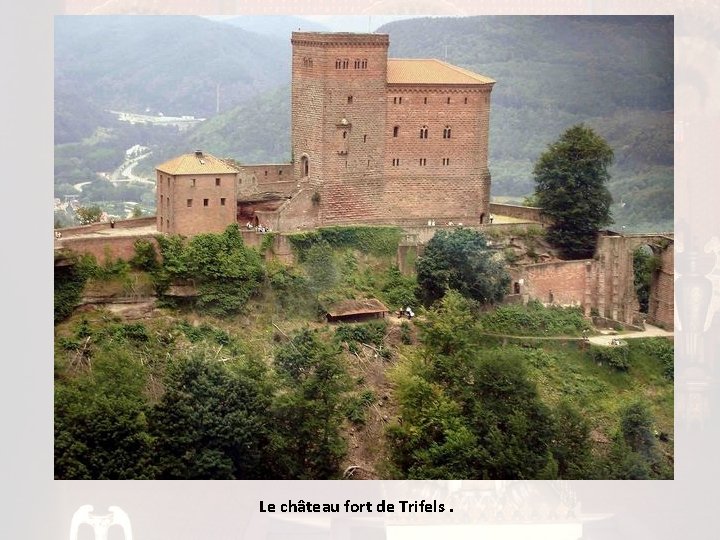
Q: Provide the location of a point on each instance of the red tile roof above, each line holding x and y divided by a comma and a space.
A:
415, 71
196, 163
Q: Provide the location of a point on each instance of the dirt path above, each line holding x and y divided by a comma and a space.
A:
650, 331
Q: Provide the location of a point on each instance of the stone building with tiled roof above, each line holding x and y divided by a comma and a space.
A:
374, 140
195, 193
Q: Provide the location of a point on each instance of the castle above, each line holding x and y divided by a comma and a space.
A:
374, 140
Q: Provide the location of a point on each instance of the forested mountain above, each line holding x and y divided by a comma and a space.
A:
279, 26
614, 74
169, 65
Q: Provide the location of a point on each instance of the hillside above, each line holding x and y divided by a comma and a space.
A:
169, 65
244, 378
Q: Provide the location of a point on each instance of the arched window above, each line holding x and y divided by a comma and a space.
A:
446, 132
338, 63
364, 63
396, 131
304, 166
424, 132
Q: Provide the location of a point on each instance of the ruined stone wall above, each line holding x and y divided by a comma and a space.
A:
612, 280
662, 297
561, 283
526, 213
253, 180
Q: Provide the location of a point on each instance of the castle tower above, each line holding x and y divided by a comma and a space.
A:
196, 193
437, 126
338, 123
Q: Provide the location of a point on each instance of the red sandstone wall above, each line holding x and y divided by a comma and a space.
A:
117, 247
273, 178
95, 227
341, 138
527, 213
566, 281
662, 300
173, 195
451, 173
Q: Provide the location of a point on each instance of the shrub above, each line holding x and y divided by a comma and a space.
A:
226, 272
356, 406
68, 286
381, 241
535, 320
617, 357
369, 333
399, 290
662, 350
145, 257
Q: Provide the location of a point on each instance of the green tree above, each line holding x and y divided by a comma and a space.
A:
570, 187
211, 423
89, 214
635, 454
642, 275
226, 272
308, 411
461, 260
466, 413
101, 428
571, 443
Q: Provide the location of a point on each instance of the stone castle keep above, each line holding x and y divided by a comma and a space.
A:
374, 140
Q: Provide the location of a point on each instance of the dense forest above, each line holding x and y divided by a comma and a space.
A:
244, 378
615, 74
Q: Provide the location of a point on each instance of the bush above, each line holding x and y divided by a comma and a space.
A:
368, 333
145, 257
399, 290
617, 357
381, 241
662, 350
226, 272
356, 406
535, 320
69, 283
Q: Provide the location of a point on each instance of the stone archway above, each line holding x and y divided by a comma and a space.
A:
612, 288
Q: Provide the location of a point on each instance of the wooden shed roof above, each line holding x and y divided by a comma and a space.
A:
357, 307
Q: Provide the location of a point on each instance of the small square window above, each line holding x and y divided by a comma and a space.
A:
206, 202
189, 203
217, 182
279, 172
222, 201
